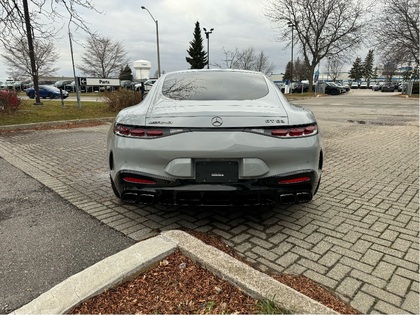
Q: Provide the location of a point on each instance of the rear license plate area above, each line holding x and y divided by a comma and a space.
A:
216, 171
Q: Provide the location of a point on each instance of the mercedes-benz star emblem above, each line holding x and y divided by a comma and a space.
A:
216, 121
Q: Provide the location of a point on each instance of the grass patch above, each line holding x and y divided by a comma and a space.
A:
267, 306
52, 110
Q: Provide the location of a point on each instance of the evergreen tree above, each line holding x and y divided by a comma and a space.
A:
126, 73
288, 72
356, 71
197, 57
368, 66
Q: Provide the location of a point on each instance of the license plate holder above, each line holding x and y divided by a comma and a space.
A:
216, 171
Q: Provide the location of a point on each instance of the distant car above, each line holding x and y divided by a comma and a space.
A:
147, 85
47, 91
374, 86
215, 137
354, 85
346, 86
388, 87
333, 89
299, 87
363, 85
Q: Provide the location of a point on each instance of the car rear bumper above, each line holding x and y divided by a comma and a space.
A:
279, 189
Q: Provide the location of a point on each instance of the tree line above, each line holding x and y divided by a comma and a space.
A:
330, 30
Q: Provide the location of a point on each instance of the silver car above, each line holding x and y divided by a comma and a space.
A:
215, 137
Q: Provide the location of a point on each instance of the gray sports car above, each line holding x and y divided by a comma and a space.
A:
215, 137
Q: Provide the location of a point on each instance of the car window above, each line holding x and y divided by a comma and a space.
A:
214, 85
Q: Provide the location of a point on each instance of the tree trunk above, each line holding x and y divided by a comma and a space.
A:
31, 52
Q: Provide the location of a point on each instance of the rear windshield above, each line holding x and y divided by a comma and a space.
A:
214, 85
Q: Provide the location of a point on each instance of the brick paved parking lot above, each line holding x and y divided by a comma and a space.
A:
359, 236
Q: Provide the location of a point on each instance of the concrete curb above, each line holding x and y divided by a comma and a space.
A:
54, 123
142, 256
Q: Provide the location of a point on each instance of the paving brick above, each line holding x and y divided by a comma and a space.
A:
329, 259
265, 253
411, 303
384, 270
363, 302
287, 259
398, 285
324, 280
339, 272
362, 227
382, 294
382, 307
322, 247
349, 286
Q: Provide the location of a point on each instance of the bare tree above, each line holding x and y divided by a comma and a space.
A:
397, 31
103, 58
17, 57
335, 66
230, 58
246, 59
17, 21
262, 63
323, 28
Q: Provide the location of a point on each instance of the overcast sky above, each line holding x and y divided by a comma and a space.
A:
237, 24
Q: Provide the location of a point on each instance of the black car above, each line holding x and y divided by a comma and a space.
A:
300, 87
388, 87
332, 89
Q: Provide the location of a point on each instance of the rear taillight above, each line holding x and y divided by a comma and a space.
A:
146, 133
287, 132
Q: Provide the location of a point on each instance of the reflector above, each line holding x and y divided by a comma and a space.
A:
295, 180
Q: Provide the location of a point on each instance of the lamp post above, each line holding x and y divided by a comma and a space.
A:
157, 38
290, 24
208, 44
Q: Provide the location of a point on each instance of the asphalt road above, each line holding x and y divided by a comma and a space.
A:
44, 239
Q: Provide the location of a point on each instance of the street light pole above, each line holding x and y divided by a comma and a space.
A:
157, 39
290, 24
208, 44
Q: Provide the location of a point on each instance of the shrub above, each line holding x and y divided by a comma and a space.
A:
122, 98
9, 101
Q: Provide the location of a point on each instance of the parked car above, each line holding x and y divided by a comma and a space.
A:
299, 87
388, 87
47, 91
354, 85
374, 86
215, 137
64, 84
363, 85
147, 85
332, 89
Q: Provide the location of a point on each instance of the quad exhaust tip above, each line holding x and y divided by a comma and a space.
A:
133, 198
289, 199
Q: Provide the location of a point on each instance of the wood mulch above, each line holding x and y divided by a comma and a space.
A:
177, 285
